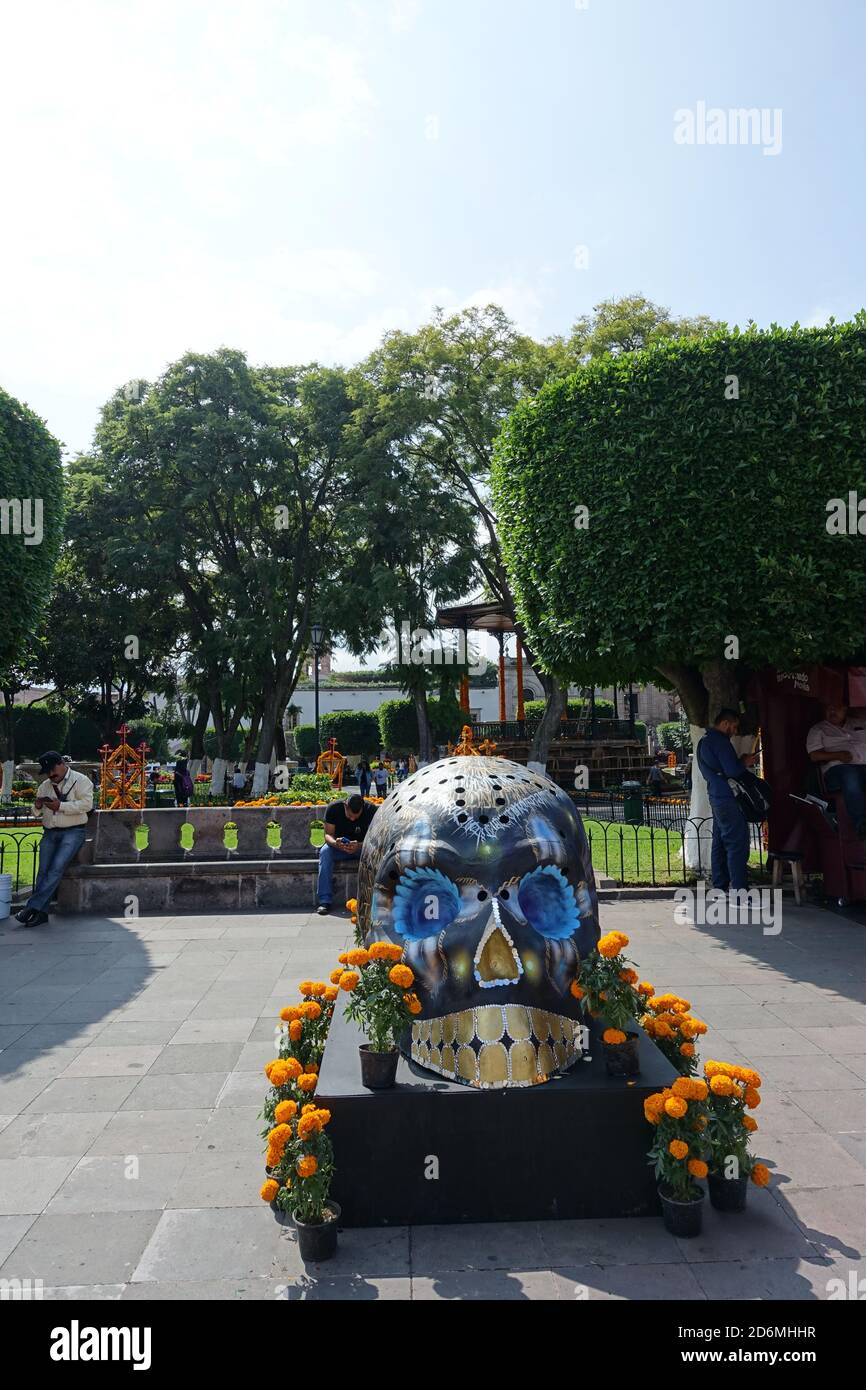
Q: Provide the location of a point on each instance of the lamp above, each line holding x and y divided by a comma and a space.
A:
317, 633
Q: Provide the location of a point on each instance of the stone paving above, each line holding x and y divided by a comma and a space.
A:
131, 1058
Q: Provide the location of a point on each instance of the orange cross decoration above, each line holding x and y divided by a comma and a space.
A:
332, 763
122, 785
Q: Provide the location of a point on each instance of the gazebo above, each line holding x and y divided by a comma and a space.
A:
486, 617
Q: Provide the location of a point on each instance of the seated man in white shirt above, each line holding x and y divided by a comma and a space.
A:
838, 743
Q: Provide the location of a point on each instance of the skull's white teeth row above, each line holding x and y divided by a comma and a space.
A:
497, 1045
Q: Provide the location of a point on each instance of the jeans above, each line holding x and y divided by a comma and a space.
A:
850, 780
328, 857
364, 781
56, 849
730, 845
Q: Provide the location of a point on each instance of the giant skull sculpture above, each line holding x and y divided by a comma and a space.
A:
480, 870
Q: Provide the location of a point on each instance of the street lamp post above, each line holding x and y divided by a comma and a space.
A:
317, 633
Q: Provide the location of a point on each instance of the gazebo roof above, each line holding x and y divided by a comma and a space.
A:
476, 617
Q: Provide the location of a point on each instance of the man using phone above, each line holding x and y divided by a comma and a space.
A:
346, 824
838, 743
63, 802
718, 762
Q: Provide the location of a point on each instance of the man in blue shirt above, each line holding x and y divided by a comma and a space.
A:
718, 761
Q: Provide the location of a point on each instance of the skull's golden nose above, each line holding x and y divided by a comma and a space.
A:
497, 961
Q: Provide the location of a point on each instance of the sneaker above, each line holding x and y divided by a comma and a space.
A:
25, 916
324, 909
36, 919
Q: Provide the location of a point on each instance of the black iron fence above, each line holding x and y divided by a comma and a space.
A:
660, 855
580, 730
19, 856
669, 811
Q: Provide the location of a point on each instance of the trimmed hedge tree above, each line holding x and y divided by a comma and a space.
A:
31, 516
356, 732
673, 512
38, 729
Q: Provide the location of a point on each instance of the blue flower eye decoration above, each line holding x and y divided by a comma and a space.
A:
548, 903
425, 903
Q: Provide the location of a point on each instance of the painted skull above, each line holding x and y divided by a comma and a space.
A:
481, 871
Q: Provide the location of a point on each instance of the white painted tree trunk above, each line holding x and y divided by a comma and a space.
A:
195, 768
698, 837
8, 779
260, 781
218, 777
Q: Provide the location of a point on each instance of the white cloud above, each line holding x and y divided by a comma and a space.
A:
404, 14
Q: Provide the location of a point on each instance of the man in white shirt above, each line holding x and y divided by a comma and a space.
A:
63, 803
838, 744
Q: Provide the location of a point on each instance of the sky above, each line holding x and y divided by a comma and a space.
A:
296, 177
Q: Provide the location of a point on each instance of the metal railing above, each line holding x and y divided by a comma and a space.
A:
655, 855
19, 856
578, 730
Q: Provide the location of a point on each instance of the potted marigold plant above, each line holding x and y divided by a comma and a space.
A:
379, 986
733, 1091
679, 1115
672, 1027
301, 1036
300, 1177
607, 986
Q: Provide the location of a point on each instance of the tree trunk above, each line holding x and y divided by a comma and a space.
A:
252, 737
425, 736
8, 745
196, 745
557, 701
266, 747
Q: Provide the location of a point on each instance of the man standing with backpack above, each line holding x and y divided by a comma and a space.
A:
63, 803
717, 762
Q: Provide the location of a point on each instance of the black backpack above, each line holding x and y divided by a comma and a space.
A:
752, 794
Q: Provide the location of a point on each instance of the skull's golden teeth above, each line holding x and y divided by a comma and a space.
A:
497, 1046
524, 1063
493, 1065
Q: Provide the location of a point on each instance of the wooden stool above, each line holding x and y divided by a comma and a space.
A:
793, 859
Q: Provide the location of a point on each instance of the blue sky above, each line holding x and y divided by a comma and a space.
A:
295, 178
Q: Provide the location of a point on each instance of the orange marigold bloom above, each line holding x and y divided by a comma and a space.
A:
279, 1073
289, 1014
308, 1081
413, 1003
352, 905
296, 1030
698, 1168
630, 976
349, 980
308, 1125
722, 1086
646, 988
662, 1029
690, 1088
751, 1097
675, 1107
279, 1137
613, 1036
273, 1156
306, 987
611, 945
285, 1111
309, 1107
334, 976
760, 1175
324, 1116
269, 1190
312, 1010
687, 1049
307, 1166
577, 990
381, 950
331, 993
750, 1124
401, 976
678, 1148
344, 958
358, 956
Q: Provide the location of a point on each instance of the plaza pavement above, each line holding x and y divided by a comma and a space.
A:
131, 1079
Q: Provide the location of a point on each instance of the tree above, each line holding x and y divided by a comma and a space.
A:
31, 523
629, 324
754, 435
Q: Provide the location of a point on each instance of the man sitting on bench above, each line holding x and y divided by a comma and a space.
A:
346, 824
838, 744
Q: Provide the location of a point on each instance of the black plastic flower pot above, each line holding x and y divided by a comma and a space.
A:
317, 1242
378, 1069
728, 1194
623, 1059
683, 1218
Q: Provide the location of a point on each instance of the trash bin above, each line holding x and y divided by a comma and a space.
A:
632, 803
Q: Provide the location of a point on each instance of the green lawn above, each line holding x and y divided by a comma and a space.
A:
21, 868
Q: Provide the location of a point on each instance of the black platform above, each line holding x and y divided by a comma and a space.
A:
573, 1147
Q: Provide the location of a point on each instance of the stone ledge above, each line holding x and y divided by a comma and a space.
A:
242, 885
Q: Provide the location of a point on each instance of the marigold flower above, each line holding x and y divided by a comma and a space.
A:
630, 976
308, 1125
324, 1116
343, 958
279, 1073
308, 1081
678, 1148
760, 1175
675, 1107
330, 994
751, 1097
613, 1036
285, 1111
269, 1190
646, 988
349, 980
306, 987
577, 990
307, 1166
690, 1088
698, 1168
352, 905
296, 1030
334, 976
309, 1107
311, 1009
401, 976
722, 1086
611, 945
358, 956
413, 1003
687, 1049
662, 1029
289, 1014
750, 1124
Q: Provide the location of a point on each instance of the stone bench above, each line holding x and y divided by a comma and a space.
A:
112, 875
